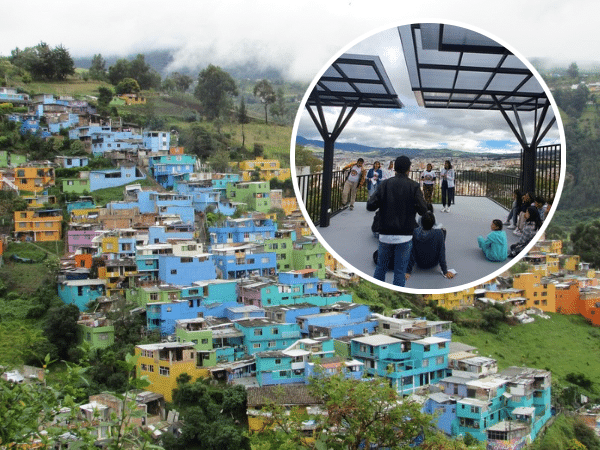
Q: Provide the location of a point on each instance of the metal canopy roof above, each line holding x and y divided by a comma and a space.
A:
355, 80
454, 67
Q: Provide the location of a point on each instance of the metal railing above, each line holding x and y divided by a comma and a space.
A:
496, 186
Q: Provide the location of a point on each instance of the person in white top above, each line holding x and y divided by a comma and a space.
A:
428, 178
354, 180
447, 177
389, 172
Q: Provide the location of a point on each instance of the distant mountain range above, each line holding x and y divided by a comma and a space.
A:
410, 152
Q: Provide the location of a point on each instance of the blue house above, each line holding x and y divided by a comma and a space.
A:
171, 169
220, 181
242, 260
81, 292
103, 141
185, 270
350, 319
204, 195
102, 179
81, 203
156, 141
267, 335
245, 229
244, 312
59, 123
407, 364
69, 162
151, 202
203, 299
289, 314
160, 234
164, 316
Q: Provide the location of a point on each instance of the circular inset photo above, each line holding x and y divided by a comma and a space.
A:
428, 157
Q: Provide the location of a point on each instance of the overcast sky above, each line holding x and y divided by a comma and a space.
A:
300, 37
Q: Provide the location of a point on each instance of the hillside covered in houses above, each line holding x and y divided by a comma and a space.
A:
158, 276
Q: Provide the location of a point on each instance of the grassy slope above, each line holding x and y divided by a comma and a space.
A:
562, 344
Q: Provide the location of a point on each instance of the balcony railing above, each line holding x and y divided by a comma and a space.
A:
493, 185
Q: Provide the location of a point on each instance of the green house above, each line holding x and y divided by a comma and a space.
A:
283, 246
256, 194
76, 185
98, 333
309, 253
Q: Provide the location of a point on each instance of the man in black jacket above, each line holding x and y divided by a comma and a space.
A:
398, 199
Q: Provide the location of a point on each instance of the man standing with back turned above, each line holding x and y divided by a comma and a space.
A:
398, 199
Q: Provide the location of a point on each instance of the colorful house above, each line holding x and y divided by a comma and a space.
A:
156, 141
243, 230
34, 178
185, 270
102, 179
163, 363
266, 168
267, 335
96, 330
254, 194
242, 260
38, 225
309, 253
81, 292
69, 162
539, 291
407, 364
453, 300
204, 195
168, 170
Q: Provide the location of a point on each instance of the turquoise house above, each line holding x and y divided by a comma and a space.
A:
81, 292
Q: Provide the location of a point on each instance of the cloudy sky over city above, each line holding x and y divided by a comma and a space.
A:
299, 38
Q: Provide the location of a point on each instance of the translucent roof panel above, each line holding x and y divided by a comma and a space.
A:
472, 68
355, 80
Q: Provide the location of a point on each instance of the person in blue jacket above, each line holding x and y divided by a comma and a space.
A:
374, 177
494, 245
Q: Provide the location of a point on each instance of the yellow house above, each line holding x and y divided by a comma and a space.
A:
569, 263
86, 215
38, 201
539, 292
163, 363
34, 179
289, 205
133, 99
548, 246
453, 300
268, 168
38, 225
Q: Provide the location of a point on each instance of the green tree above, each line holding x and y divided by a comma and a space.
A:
105, 96
215, 90
573, 70
242, 118
586, 242
219, 161
278, 108
182, 81
62, 62
61, 328
264, 91
127, 86
305, 157
118, 71
97, 69
359, 414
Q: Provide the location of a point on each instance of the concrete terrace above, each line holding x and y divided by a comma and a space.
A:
350, 236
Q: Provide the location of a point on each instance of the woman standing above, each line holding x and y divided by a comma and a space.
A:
447, 176
374, 177
389, 172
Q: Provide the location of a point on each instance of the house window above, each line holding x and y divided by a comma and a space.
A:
204, 341
257, 345
173, 271
274, 330
425, 363
144, 367
278, 361
440, 360
164, 371
282, 373
258, 332
150, 367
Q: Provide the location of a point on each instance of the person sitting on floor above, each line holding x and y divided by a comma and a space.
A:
494, 245
429, 247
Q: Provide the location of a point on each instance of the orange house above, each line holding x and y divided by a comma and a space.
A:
84, 260
39, 225
176, 151
567, 298
34, 179
540, 293
589, 306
